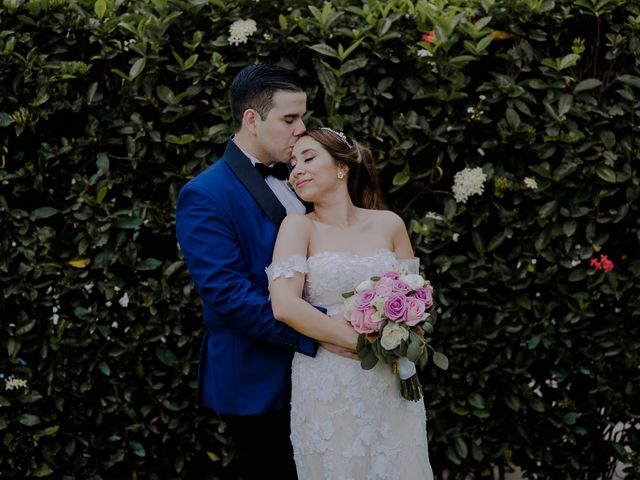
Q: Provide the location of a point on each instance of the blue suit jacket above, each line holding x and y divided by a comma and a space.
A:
226, 222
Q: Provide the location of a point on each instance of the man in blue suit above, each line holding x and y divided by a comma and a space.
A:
227, 220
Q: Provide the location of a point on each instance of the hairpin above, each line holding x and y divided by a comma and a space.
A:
342, 136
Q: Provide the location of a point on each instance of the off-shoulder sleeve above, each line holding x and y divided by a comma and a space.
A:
287, 268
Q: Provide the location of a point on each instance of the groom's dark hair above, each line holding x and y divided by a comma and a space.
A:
254, 87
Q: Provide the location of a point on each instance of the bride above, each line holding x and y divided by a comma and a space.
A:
346, 422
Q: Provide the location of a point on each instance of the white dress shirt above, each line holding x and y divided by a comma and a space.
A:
282, 191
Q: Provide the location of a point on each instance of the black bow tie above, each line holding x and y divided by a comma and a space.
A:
279, 170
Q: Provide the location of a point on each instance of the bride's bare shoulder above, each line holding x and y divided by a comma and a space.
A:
385, 217
296, 222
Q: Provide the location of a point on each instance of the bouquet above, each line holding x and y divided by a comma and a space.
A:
392, 315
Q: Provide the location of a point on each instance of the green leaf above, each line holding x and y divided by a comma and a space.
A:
441, 360
5, 119
189, 62
569, 61
25, 328
104, 368
548, 209
127, 222
606, 173
282, 20
461, 447
181, 140
137, 448
166, 356
166, 94
401, 178
325, 49
100, 8
476, 400
137, 67
28, 419
369, 361
513, 118
149, 264
44, 212
44, 470
632, 80
101, 194
534, 342
588, 84
102, 161
569, 227
570, 418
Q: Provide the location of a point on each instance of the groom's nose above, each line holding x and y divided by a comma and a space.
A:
299, 127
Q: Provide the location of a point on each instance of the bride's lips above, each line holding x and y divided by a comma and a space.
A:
302, 183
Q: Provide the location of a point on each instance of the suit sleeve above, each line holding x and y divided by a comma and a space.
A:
213, 256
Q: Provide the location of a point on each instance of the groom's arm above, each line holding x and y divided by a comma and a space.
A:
212, 253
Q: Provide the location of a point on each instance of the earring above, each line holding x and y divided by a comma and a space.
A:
340, 174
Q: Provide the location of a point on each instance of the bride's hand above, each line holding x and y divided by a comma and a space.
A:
343, 352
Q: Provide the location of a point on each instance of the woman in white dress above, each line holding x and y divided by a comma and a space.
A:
346, 423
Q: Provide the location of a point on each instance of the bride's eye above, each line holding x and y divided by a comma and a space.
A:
308, 159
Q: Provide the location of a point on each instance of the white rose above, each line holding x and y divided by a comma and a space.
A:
378, 304
392, 335
349, 305
413, 280
366, 285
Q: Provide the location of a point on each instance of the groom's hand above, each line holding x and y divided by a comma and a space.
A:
343, 352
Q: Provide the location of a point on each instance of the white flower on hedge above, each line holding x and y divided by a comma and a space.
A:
241, 30
423, 52
392, 335
531, 183
13, 383
124, 300
455, 237
434, 216
467, 182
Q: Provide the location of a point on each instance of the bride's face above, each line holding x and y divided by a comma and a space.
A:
314, 172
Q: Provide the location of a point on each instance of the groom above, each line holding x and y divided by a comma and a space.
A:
226, 222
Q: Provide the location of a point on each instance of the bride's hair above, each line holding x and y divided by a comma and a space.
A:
363, 186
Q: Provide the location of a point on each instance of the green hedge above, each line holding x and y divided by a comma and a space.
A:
108, 107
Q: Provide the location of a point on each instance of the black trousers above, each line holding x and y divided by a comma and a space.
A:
263, 445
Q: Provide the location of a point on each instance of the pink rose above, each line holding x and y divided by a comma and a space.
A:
425, 294
415, 311
400, 287
384, 287
396, 308
365, 322
373, 321
364, 300
391, 275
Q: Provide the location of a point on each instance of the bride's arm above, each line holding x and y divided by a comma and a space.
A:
286, 293
401, 242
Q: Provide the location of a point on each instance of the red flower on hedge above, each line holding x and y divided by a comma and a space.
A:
429, 37
603, 264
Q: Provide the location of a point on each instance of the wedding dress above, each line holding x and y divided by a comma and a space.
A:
348, 423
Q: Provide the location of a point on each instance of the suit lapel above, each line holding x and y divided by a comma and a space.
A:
254, 183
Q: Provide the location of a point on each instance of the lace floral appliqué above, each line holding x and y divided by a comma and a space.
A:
287, 268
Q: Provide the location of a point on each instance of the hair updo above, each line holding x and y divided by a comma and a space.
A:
363, 177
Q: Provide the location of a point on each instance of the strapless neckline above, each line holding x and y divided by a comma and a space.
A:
349, 253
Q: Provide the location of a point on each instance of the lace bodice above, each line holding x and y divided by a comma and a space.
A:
330, 274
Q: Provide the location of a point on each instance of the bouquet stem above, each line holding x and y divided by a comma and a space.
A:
411, 389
